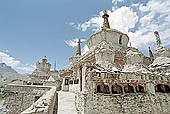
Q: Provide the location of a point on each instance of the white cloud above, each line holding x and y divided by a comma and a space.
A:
135, 5
143, 8
95, 23
138, 20
122, 19
24, 69
73, 42
115, 1
15, 64
74, 25
156, 19
5, 58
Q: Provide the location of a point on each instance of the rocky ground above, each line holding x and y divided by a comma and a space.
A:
1, 103
66, 103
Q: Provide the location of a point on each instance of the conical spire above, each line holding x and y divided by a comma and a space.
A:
55, 66
158, 40
151, 55
78, 52
106, 21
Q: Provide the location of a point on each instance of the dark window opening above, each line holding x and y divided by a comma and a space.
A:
98, 89
139, 89
120, 40
160, 88
103, 90
167, 89
116, 89
106, 89
129, 89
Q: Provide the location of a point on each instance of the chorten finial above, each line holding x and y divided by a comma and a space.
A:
55, 66
130, 45
158, 40
106, 21
44, 60
78, 52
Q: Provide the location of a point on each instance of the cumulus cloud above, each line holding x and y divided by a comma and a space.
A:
95, 23
155, 18
5, 58
138, 20
73, 42
15, 64
77, 26
122, 19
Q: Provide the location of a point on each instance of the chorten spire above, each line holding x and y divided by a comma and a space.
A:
106, 21
158, 40
78, 52
150, 53
55, 66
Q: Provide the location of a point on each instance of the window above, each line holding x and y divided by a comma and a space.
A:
116, 89
106, 89
139, 89
129, 89
167, 89
98, 89
103, 89
162, 88
120, 39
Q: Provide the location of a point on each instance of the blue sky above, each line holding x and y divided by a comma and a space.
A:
31, 29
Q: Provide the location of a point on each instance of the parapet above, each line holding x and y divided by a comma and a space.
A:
30, 99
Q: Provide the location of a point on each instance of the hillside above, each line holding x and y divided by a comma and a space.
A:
9, 75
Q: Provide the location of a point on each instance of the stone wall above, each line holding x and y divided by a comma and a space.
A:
124, 104
21, 97
57, 84
150, 100
47, 104
75, 88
